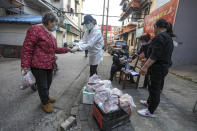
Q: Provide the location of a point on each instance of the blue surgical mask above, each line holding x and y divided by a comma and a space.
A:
88, 26
54, 28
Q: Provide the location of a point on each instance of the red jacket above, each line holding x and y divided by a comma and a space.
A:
39, 49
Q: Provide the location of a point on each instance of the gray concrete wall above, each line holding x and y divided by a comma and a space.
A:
2, 12
12, 34
186, 30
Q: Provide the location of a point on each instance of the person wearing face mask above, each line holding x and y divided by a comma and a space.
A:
119, 61
145, 40
159, 61
91, 41
38, 55
142, 53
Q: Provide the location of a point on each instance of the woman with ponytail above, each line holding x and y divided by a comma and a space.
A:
157, 65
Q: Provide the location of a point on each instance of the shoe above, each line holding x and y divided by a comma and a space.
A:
146, 113
48, 108
143, 102
52, 99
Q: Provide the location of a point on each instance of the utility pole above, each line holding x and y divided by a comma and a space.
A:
106, 29
103, 16
81, 34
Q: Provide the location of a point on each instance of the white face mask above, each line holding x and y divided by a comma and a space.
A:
54, 28
88, 26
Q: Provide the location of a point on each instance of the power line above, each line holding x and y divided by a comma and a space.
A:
103, 15
89, 14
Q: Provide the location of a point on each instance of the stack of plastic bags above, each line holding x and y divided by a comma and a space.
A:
95, 83
109, 99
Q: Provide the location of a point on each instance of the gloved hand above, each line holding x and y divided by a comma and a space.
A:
74, 49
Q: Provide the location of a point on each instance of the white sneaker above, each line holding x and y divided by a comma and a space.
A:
143, 102
146, 113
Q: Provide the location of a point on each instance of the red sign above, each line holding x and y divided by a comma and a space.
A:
167, 12
109, 27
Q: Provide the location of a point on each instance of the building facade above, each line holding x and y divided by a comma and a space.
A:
14, 16
112, 33
184, 27
177, 12
132, 17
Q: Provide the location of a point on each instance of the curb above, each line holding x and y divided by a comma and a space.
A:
183, 77
61, 119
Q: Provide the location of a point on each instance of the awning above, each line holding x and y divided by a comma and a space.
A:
122, 33
127, 29
24, 18
70, 28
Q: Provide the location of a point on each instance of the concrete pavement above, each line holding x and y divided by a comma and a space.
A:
188, 72
173, 114
20, 110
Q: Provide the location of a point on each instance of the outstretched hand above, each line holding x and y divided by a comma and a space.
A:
74, 49
69, 50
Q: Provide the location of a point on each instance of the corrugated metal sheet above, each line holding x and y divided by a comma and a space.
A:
24, 18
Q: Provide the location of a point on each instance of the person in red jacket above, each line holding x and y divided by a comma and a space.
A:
38, 55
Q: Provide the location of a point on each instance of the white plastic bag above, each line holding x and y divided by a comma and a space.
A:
93, 87
27, 80
116, 91
107, 83
127, 103
93, 79
102, 95
111, 104
106, 101
108, 108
